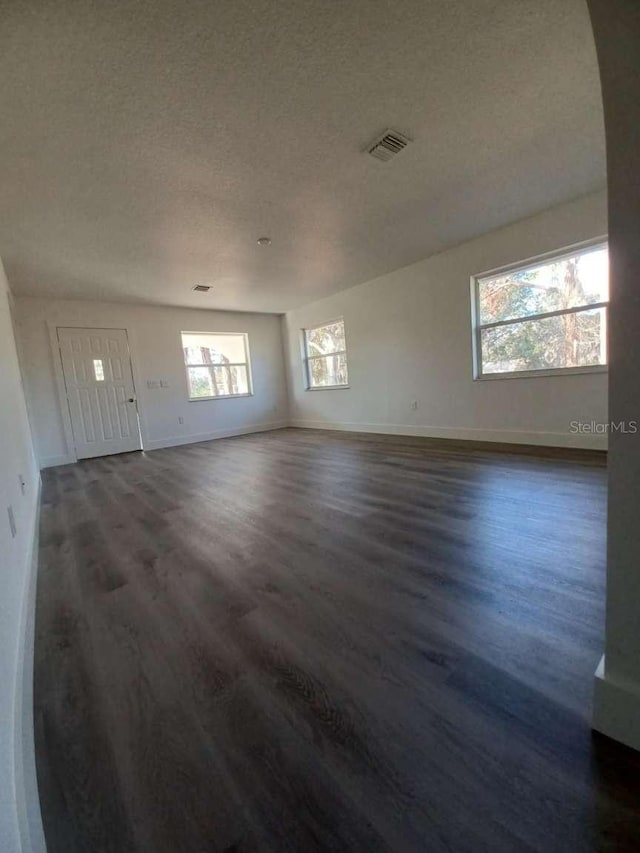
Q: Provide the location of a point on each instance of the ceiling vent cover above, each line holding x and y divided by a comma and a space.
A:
388, 145
201, 288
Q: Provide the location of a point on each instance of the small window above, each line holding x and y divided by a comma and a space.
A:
546, 317
217, 365
326, 356
98, 369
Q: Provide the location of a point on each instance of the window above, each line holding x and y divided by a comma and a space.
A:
98, 369
549, 316
326, 356
217, 365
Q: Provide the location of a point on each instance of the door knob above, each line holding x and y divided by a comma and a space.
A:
132, 399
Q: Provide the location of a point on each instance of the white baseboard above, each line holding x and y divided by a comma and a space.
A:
542, 439
616, 708
26, 783
175, 441
52, 461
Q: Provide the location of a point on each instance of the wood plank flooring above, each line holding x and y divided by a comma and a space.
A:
308, 641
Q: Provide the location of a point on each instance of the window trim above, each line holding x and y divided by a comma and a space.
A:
536, 260
306, 358
247, 364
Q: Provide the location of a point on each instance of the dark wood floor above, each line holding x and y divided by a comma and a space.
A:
317, 641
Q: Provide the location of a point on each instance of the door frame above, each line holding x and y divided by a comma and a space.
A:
61, 387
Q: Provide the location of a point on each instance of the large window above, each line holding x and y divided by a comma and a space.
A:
326, 356
548, 316
217, 365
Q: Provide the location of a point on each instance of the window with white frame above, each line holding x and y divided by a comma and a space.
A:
548, 316
217, 364
326, 356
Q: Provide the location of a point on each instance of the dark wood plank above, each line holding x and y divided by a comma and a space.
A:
317, 641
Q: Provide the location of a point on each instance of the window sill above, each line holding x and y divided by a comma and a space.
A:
329, 388
534, 374
219, 397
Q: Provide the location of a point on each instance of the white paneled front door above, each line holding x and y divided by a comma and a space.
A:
100, 390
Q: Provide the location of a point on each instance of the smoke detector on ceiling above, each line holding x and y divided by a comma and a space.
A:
201, 288
388, 145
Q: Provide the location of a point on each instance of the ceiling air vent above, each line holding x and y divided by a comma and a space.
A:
388, 145
201, 288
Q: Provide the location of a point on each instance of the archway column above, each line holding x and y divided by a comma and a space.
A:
616, 26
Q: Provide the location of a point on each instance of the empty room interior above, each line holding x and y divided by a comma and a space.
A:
319, 450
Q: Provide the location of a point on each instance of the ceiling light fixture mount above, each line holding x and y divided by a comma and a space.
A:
264, 241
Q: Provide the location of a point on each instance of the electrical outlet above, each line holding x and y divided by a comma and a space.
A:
12, 522
414, 404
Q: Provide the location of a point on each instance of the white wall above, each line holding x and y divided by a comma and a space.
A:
409, 338
16, 588
154, 337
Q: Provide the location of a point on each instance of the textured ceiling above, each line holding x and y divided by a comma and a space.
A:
145, 146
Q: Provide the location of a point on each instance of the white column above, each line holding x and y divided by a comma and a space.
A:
616, 25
